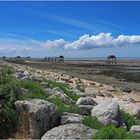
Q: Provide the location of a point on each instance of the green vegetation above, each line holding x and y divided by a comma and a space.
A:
93, 122
6, 70
64, 87
9, 91
35, 90
129, 120
62, 107
111, 132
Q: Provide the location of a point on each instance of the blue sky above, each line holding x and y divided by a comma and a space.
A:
72, 29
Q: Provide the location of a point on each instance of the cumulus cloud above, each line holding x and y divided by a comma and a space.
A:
60, 43
86, 42
103, 40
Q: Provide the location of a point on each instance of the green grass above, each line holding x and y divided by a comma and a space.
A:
64, 87
63, 107
35, 90
92, 122
129, 119
111, 132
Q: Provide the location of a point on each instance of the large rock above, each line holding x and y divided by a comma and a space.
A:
108, 112
86, 101
136, 113
36, 78
68, 118
36, 117
19, 74
135, 129
57, 92
69, 131
26, 73
76, 91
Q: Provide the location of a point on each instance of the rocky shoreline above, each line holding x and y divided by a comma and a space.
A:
127, 98
42, 119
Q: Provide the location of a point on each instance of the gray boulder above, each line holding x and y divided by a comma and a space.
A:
135, 129
136, 113
108, 112
36, 117
68, 118
19, 74
26, 73
76, 91
57, 92
69, 131
35, 78
25, 78
86, 101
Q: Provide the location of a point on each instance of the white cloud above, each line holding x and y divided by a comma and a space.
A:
28, 46
103, 40
60, 43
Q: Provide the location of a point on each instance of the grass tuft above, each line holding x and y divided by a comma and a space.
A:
93, 122
129, 120
111, 132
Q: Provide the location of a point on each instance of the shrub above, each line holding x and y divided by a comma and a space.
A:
9, 93
8, 121
35, 90
92, 122
6, 69
129, 120
111, 132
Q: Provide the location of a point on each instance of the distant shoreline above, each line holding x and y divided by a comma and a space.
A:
80, 58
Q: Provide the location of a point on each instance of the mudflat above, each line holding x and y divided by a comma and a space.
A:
125, 74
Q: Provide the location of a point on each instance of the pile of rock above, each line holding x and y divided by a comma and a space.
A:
40, 118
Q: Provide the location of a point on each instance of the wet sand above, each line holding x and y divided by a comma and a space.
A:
126, 74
